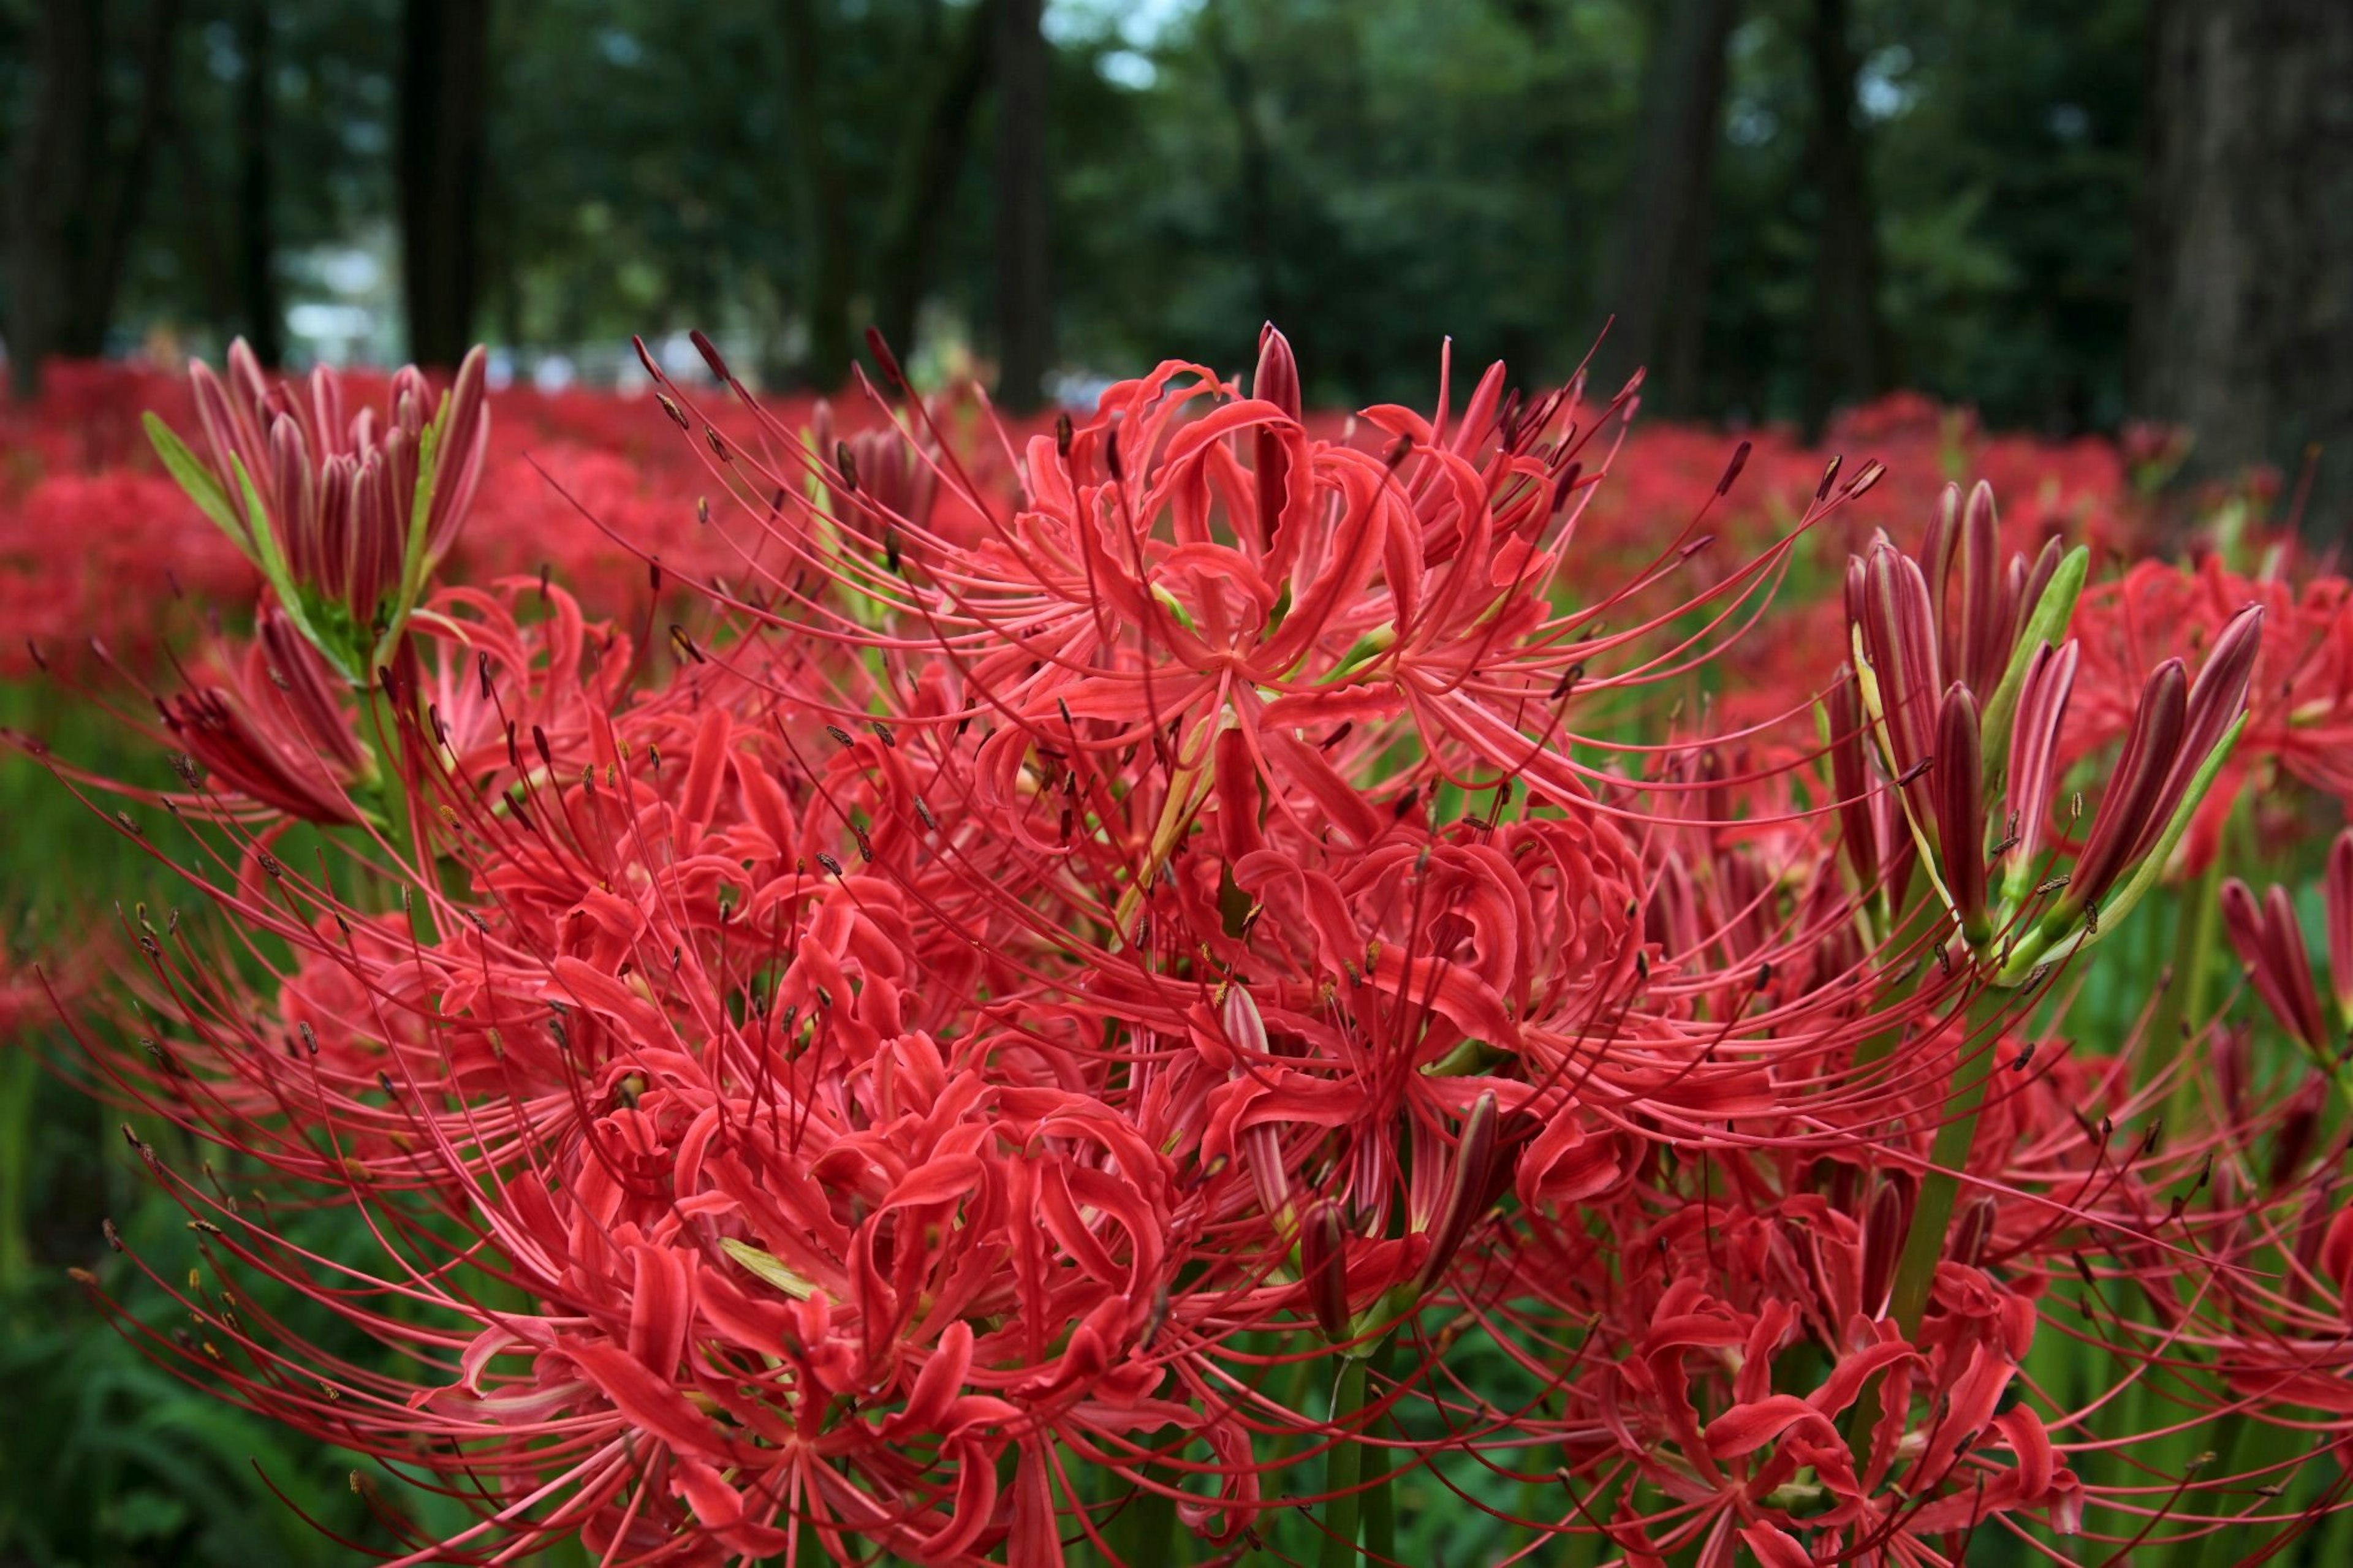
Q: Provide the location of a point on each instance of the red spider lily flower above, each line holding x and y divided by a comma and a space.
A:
2300, 692
346, 516
1202, 963
1943, 655
262, 727
274, 730
1936, 748
875, 474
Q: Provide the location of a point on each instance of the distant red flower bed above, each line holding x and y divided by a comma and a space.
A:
97, 541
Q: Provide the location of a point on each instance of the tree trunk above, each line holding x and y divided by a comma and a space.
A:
1025, 304
74, 200
1657, 283
2243, 314
1847, 349
934, 155
444, 125
48, 222
1254, 185
98, 277
818, 202
256, 227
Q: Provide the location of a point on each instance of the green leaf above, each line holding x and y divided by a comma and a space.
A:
189, 471
767, 1266
413, 566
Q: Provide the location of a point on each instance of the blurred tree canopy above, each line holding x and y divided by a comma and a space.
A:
1788, 204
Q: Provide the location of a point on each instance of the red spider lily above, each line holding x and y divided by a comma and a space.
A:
1051, 967
2300, 690
1935, 747
345, 516
260, 728
276, 729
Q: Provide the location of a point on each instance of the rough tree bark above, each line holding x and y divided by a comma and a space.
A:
2243, 310
74, 196
927, 175
1025, 304
1847, 356
444, 126
1656, 283
256, 226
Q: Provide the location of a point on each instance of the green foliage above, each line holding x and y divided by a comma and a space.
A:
1376, 175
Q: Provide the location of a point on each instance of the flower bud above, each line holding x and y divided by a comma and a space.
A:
1884, 1228
346, 519
1960, 812
1324, 1268
1976, 631
1470, 1189
2269, 942
1276, 381
2132, 813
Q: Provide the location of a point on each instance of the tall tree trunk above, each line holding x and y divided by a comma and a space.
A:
1847, 349
2243, 314
1656, 284
73, 200
444, 127
927, 178
1025, 304
256, 215
1254, 185
819, 202
56, 150
98, 280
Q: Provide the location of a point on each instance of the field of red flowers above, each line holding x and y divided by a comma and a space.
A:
709, 979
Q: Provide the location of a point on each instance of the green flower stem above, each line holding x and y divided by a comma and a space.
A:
1343, 1468
399, 822
1940, 1187
2184, 997
1143, 1535
18, 1083
1380, 1505
1878, 1046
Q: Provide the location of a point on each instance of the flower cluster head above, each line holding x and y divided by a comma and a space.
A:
1173, 995
344, 511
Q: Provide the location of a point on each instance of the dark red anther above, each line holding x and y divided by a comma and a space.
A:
1731, 470
884, 357
709, 354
